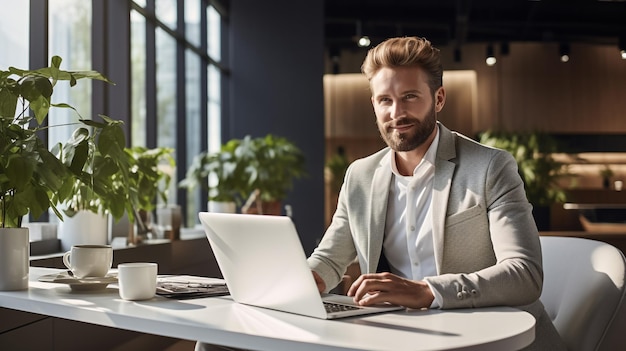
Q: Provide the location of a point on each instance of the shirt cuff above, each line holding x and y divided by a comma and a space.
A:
437, 301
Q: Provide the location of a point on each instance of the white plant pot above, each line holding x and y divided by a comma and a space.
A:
84, 228
222, 207
14, 258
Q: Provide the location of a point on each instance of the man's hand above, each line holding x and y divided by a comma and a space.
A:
321, 285
375, 288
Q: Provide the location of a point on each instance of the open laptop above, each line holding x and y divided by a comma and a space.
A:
264, 265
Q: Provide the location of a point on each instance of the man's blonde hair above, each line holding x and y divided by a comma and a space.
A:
405, 52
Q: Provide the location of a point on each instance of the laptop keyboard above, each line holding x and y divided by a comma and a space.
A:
336, 307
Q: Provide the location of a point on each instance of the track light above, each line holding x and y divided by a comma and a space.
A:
622, 46
361, 40
564, 52
364, 41
491, 57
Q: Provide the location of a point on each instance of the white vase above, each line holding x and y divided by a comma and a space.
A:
222, 207
14, 258
84, 228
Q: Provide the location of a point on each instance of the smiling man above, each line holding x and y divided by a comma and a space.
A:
436, 220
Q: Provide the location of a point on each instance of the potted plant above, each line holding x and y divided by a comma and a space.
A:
540, 172
222, 175
335, 168
31, 177
272, 163
145, 182
121, 180
261, 170
334, 174
115, 181
606, 174
85, 208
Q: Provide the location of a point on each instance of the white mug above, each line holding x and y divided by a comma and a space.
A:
89, 260
137, 281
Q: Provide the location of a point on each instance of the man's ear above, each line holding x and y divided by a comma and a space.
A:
440, 99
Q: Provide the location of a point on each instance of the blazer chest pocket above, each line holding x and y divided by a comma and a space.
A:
465, 215
467, 244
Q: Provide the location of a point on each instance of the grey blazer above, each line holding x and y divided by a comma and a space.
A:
487, 248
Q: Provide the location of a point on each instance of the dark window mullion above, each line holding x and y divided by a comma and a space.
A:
99, 50
226, 131
204, 92
151, 83
181, 103
38, 56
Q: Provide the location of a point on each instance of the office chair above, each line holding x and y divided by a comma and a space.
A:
583, 292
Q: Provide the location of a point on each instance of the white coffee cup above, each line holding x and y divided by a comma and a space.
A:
137, 280
89, 260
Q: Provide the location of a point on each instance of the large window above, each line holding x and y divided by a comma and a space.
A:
69, 37
176, 46
175, 69
14, 34
193, 112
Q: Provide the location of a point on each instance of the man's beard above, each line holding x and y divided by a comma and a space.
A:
408, 141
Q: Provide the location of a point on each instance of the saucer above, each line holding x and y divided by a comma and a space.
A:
79, 284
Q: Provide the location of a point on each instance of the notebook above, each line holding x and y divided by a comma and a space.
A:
264, 265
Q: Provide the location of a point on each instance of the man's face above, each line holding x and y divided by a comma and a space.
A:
404, 106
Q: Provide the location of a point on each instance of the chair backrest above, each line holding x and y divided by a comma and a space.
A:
583, 292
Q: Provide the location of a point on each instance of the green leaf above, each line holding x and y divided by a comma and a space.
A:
81, 156
8, 103
56, 61
52, 172
42, 203
19, 170
91, 75
65, 191
40, 107
64, 105
112, 141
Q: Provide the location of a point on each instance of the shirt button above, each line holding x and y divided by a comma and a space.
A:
412, 228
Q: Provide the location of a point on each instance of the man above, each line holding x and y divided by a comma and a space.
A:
435, 220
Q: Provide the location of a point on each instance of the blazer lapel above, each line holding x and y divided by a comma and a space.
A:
378, 211
444, 169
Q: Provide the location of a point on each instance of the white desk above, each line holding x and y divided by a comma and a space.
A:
219, 320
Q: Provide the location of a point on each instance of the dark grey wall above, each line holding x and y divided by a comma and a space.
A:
277, 63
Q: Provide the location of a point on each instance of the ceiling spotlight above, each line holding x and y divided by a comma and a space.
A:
623, 53
491, 57
364, 41
361, 40
564, 52
622, 46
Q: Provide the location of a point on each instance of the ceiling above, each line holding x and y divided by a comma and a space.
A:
455, 22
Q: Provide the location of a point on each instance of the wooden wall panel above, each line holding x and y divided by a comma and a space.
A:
461, 110
348, 108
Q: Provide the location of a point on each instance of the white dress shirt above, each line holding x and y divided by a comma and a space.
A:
408, 243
